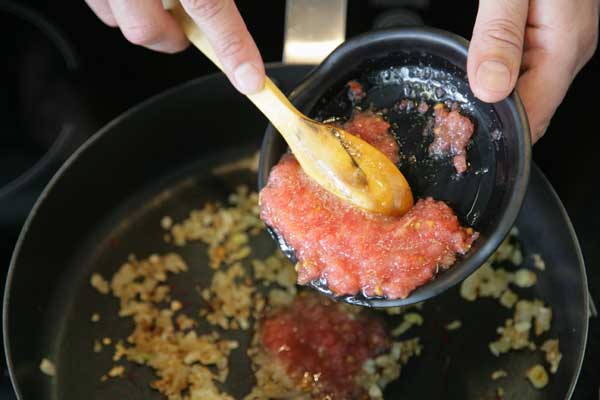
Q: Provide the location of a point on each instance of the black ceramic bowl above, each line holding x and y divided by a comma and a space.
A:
424, 63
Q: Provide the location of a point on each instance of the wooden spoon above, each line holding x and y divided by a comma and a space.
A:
340, 162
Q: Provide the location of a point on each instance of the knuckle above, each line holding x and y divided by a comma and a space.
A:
577, 48
230, 45
206, 9
108, 19
504, 33
591, 45
540, 131
179, 47
141, 34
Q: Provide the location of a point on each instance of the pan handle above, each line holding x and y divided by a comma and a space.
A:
313, 29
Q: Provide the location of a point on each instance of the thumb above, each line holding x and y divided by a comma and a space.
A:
496, 48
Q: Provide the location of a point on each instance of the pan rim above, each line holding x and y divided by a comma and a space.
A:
582, 273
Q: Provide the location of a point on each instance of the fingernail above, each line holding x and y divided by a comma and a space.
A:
493, 76
248, 78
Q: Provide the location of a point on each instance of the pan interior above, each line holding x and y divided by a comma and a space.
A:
134, 228
81, 227
458, 362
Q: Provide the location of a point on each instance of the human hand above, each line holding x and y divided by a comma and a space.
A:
146, 23
537, 45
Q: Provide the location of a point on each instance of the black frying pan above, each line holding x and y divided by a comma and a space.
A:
107, 201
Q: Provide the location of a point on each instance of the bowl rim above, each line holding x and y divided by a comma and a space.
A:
304, 93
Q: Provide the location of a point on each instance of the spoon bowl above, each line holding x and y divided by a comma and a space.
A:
423, 64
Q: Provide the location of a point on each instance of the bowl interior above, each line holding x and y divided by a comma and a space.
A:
430, 65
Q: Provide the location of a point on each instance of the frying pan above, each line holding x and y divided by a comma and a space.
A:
156, 159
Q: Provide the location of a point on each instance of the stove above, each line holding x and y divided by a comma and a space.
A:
69, 74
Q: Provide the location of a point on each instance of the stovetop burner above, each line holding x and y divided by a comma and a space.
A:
43, 112
43, 117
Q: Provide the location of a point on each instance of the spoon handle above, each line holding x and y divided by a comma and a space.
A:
193, 33
270, 100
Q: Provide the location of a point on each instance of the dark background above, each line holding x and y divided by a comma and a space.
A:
113, 75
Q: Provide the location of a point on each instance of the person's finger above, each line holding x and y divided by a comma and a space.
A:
102, 10
147, 23
496, 48
222, 23
542, 87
